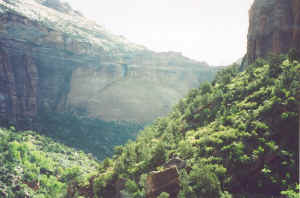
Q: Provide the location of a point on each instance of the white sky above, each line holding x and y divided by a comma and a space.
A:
214, 31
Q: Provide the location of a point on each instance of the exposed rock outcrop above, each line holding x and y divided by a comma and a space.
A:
163, 181
53, 59
274, 28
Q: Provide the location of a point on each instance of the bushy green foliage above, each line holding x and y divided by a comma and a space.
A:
204, 182
291, 192
91, 135
238, 135
35, 166
163, 195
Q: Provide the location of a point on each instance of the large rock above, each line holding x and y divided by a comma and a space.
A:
163, 181
274, 28
55, 60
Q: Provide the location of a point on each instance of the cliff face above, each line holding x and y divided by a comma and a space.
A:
274, 28
139, 89
18, 89
53, 59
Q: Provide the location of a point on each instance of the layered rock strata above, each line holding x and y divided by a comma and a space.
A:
54, 59
274, 28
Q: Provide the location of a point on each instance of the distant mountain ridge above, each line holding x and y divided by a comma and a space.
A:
54, 59
60, 6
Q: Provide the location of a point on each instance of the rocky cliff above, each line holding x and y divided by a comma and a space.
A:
54, 59
274, 28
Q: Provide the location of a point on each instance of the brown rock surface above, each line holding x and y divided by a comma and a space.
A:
274, 28
163, 181
18, 90
55, 60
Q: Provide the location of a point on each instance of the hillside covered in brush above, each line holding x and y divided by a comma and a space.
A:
34, 166
237, 136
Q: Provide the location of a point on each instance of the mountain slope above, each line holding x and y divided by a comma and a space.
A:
238, 134
35, 166
56, 60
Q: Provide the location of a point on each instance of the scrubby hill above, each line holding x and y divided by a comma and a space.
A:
237, 136
33, 166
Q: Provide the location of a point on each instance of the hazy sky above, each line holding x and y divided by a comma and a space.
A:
214, 31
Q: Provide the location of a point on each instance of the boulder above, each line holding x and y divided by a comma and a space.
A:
163, 181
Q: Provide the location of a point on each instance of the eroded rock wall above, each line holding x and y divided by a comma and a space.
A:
274, 28
35, 69
55, 60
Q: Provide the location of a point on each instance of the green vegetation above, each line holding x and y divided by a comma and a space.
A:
93, 136
37, 167
238, 135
